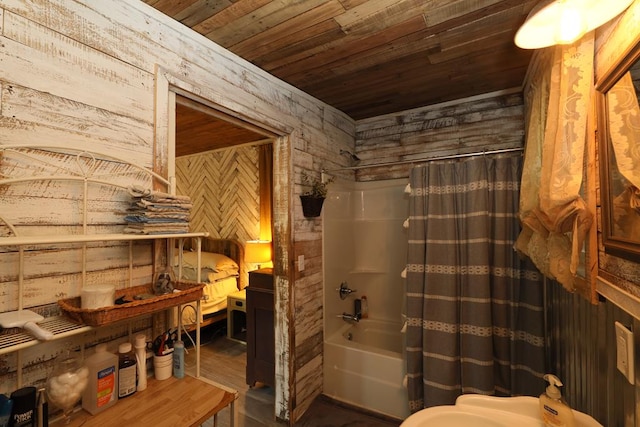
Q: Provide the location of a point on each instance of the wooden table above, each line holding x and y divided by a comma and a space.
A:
172, 402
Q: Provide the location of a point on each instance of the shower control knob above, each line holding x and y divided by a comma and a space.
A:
344, 290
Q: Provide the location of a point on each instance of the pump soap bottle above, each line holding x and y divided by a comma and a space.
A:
554, 410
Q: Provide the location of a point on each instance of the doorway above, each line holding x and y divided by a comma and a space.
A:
225, 165
168, 87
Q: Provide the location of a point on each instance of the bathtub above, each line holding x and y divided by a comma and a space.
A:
363, 367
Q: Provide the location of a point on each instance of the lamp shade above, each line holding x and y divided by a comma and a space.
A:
553, 22
257, 251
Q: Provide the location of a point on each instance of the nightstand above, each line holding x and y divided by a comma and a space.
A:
260, 328
237, 316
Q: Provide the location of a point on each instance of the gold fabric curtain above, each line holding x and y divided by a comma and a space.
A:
554, 216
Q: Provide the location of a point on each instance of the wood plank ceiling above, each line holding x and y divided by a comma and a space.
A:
200, 128
370, 57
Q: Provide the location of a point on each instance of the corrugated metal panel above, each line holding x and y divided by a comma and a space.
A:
582, 352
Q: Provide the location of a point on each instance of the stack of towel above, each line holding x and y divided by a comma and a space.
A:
154, 212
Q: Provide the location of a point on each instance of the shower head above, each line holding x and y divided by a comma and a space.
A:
352, 157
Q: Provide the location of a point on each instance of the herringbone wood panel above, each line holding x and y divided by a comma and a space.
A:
224, 188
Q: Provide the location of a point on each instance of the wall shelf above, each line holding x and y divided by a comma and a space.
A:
367, 271
86, 238
60, 326
25, 164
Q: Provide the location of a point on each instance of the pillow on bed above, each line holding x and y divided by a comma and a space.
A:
209, 260
214, 266
206, 275
219, 275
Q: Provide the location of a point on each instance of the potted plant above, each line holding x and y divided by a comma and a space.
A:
313, 198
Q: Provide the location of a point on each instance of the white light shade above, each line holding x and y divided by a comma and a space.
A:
554, 22
257, 251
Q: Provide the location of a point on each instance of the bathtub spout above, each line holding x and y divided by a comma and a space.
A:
350, 317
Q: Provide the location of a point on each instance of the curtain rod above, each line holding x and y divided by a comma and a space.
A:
429, 159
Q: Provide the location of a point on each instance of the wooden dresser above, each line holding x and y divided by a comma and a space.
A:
260, 328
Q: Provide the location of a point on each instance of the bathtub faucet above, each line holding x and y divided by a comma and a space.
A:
350, 317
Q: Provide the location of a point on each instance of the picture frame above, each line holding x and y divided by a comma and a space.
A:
619, 197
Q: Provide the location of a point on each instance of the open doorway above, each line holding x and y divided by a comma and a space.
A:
225, 165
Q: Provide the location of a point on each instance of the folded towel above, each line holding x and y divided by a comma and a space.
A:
407, 189
141, 220
156, 196
155, 212
157, 205
405, 224
156, 228
404, 273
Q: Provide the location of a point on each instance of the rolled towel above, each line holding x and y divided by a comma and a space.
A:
405, 381
407, 189
404, 328
405, 224
404, 273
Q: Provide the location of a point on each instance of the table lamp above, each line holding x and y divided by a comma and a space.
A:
257, 252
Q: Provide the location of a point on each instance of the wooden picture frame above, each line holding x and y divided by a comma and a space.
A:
620, 222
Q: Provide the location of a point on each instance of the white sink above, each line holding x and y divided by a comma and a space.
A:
488, 411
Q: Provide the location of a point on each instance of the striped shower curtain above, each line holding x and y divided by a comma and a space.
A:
474, 308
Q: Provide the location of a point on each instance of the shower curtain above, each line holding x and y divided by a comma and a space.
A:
475, 321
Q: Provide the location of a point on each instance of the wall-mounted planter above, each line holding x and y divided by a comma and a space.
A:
311, 206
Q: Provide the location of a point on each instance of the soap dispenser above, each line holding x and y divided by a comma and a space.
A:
554, 410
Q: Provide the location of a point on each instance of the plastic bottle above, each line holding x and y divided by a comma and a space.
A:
102, 390
364, 307
553, 409
141, 361
178, 359
127, 371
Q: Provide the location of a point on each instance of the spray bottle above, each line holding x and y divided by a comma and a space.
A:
178, 359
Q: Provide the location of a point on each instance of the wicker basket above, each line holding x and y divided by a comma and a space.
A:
188, 291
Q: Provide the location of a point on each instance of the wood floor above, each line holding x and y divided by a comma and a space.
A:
224, 361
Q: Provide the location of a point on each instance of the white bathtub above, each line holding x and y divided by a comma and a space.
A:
363, 367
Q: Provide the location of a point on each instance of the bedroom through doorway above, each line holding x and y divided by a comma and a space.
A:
225, 166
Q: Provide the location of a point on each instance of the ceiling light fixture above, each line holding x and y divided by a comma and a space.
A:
553, 22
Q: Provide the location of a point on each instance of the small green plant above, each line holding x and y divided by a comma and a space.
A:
316, 188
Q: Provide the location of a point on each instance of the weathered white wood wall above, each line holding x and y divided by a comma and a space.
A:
84, 74
486, 122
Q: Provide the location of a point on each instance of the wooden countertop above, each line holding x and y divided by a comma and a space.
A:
172, 402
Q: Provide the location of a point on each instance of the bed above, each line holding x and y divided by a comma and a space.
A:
221, 271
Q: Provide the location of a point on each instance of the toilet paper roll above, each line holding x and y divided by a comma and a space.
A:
96, 296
